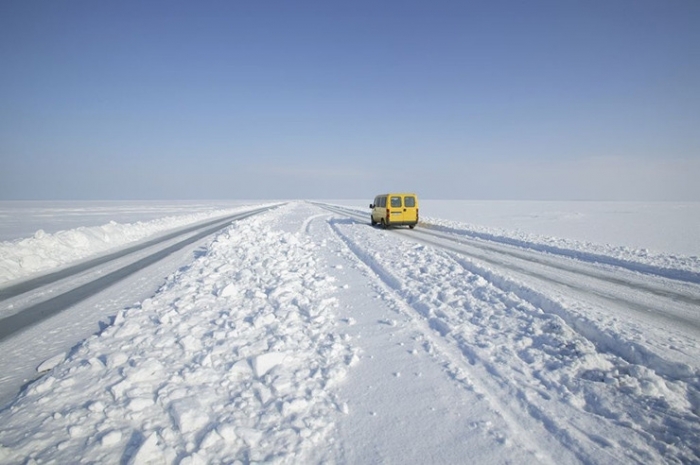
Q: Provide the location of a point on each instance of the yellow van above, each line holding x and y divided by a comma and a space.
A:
395, 210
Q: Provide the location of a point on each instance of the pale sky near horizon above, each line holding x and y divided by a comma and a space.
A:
536, 100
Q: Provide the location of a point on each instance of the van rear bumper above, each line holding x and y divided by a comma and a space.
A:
403, 223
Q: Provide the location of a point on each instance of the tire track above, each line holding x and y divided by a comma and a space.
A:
529, 392
32, 284
463, 364
607, 289
570, 266
538, 253
38, 312
484, 249
632, 364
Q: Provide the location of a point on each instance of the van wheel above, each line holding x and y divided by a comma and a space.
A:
411, 226
383, 224
371, 219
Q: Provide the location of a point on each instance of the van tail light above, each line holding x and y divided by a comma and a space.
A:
388, 213
416, 214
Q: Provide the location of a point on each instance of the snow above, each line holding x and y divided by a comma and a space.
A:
22, 218
302, 335
240, 375
44, 250
663, 227
653, 234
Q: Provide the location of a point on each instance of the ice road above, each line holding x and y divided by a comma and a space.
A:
300, 334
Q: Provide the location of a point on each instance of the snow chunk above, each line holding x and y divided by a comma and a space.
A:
49, 364
116, 359
239, 370
149, 452
294, 406
188, 415
251, 436
227, 431
111, 438
228, 291
266, 362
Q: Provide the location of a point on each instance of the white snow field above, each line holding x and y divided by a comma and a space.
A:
89, 231
303, 335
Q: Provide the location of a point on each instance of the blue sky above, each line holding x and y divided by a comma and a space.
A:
464, 100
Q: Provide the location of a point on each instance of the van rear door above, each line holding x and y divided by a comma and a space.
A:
396, 210
410, 205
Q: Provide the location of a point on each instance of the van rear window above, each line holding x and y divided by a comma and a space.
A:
409, 202
395, 202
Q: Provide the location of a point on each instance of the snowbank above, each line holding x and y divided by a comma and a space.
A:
674, 266
44, 251
302, 336
233, 359
642, 236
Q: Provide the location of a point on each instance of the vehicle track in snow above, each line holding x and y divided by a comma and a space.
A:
34, 300
519, 247
458, 368
610, 294
676, 302
560, 337
615, 293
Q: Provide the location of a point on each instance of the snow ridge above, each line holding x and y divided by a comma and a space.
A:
669, 266
589, 389
234, 359
673, 266
44, 251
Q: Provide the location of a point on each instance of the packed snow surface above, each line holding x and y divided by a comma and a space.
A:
660, 227
303, 335
22, 218
44, 250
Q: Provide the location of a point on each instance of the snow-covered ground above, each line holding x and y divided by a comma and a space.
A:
91, 228
302, 335
22, 219
663, 227
39, 236
670, 228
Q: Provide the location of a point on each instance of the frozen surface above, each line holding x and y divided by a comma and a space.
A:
670, 227
657, 234
234, 356
22, 219
51, 247
306, 336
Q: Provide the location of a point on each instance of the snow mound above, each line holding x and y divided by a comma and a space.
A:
44, 251
200, 372
674, 266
